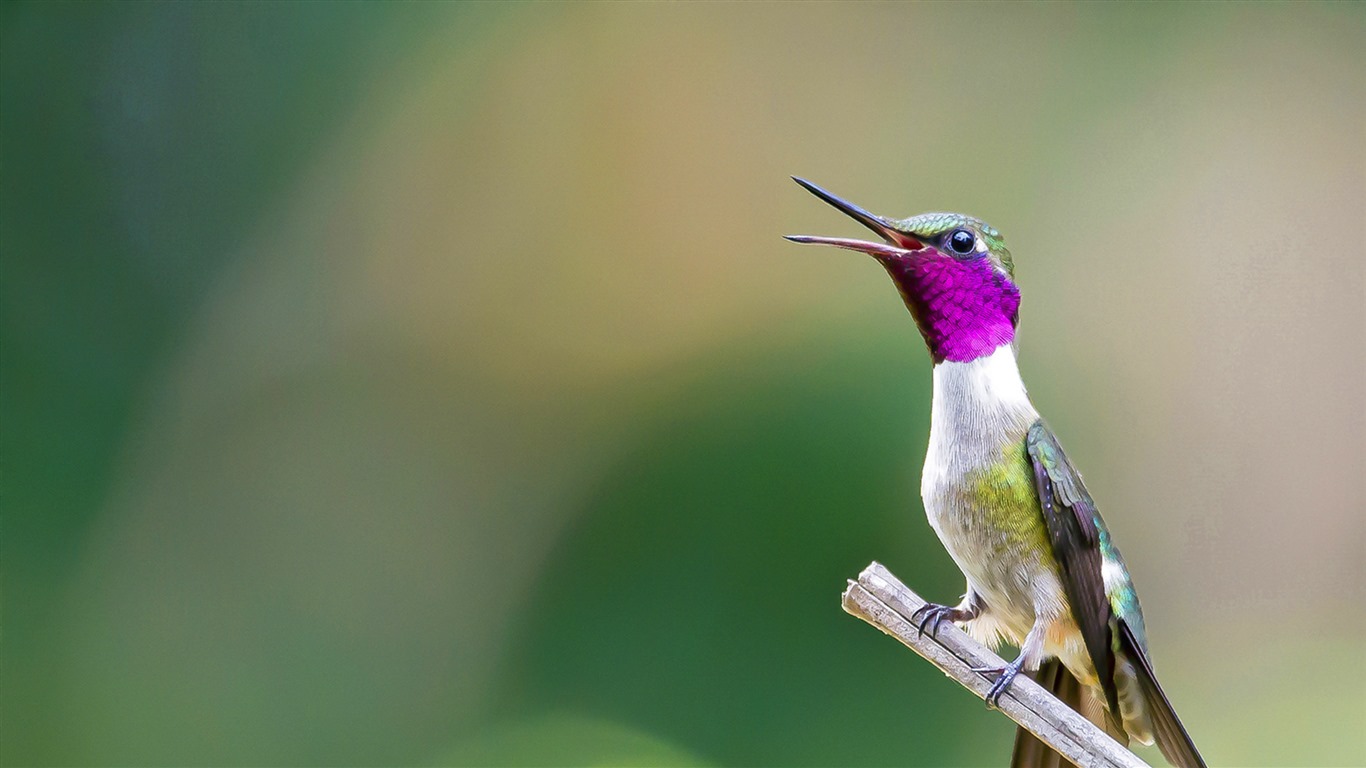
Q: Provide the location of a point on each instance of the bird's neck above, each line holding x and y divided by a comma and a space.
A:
965, 309
979, 406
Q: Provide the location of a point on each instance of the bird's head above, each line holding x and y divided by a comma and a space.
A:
953, 271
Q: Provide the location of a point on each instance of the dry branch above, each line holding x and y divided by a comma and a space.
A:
881, 600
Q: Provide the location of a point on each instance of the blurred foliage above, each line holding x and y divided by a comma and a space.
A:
566, 740
427, 384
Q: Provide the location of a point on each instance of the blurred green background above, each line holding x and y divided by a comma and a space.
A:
422, 384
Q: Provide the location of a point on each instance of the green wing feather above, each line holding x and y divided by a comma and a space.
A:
1071, 519
1109, 620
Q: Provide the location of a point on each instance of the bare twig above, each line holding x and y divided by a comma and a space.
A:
881, 600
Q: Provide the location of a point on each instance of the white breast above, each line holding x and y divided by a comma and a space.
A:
980, 409
978, 406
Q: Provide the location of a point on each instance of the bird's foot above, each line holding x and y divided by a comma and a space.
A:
1002, 684
933, 614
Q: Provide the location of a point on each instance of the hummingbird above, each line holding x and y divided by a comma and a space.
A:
1006, 502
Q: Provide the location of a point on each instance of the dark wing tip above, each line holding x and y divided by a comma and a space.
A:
1171, 736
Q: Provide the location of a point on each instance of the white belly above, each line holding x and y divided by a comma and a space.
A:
1010, 575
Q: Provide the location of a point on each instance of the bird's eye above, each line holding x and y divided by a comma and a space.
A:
962, 241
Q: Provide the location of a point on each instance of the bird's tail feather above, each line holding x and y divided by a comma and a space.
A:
1029, 752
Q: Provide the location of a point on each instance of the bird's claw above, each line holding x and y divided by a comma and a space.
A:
932, 615
1002, 684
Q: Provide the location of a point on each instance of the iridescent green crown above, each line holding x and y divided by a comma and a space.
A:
930, 225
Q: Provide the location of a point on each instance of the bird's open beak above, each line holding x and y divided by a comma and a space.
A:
897, 243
